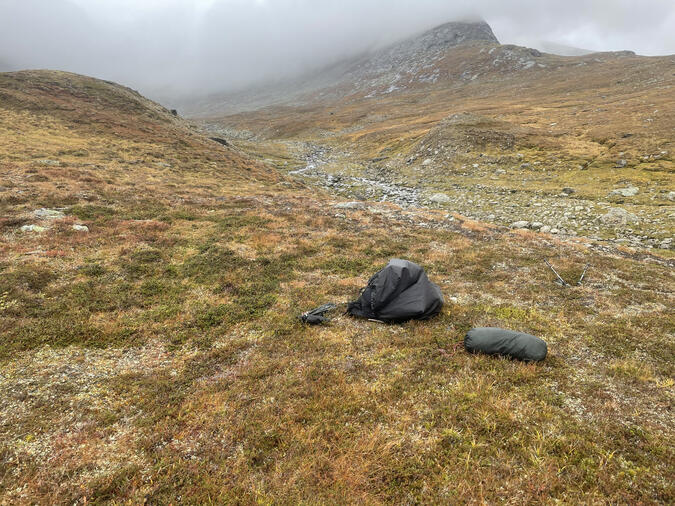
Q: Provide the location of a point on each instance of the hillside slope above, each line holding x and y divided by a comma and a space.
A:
490, 131
156, 356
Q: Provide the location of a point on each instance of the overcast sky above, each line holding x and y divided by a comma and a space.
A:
199, 46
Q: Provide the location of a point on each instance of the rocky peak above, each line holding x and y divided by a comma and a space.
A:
456, 33
414, 59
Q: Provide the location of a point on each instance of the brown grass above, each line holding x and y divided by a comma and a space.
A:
159, 358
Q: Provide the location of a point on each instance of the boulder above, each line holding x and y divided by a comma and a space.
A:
520, 224
33, 228
49, 163
618, 216
631, 191
350, 205
81, 228
439, 198
48, 214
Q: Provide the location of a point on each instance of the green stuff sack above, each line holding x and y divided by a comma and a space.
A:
494, 341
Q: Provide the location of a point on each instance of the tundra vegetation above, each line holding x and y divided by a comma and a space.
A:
157, 356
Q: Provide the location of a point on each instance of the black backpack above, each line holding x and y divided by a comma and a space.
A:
399, 292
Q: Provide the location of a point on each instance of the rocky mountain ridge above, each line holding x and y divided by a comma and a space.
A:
441, 56
412, 59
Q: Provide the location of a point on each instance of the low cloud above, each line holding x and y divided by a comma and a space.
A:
175, 47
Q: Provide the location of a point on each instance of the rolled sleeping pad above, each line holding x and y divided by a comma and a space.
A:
494, 341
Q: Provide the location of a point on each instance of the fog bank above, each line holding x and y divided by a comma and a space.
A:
180, 47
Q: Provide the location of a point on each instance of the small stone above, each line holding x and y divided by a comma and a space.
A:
545, 229
568, 191
520, 224
81, 228
620, 164
427, 162
555, 231
33, 228
536, 225
671, 196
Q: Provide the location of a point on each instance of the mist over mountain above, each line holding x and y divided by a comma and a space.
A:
561, 49
186, 47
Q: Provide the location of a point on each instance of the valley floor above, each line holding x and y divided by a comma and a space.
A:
515, 198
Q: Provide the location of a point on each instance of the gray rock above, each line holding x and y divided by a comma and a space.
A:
427, 162
631, 191
350, 205
33, 228
81, 228
618, 216
536, 225
439, 198
49, 163
568, 190
520, 224
545, 229
48, 214
621, 163
671, 196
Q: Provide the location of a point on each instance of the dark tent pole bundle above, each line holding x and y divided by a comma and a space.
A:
506, 343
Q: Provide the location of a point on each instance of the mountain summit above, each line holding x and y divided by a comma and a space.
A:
385, 69
456, 33
415, 58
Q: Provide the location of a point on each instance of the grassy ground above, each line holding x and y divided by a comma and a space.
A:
159, 357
